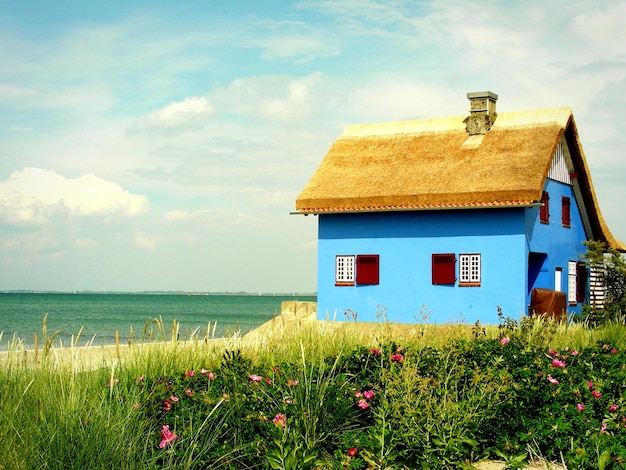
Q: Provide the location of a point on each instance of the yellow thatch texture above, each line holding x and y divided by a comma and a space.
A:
434, 163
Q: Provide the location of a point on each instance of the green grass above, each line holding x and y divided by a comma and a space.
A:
457, 396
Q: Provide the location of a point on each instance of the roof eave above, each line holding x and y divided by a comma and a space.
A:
413, 209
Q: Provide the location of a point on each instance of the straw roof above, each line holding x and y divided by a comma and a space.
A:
434, 164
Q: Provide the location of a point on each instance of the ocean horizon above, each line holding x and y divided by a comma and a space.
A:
135, 316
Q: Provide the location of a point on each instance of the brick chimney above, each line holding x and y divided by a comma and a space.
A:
482, 112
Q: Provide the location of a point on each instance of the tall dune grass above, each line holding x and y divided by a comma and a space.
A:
78, 406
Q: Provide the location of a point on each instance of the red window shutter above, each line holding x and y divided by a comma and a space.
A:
565, 211
544, 210
444, 268
367, 268
581, 282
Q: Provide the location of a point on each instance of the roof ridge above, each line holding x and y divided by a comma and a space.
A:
505, 119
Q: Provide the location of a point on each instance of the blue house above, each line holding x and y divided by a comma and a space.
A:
449, 219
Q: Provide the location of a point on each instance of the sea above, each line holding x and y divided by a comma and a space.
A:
94, 318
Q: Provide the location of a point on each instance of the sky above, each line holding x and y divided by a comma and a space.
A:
160, 145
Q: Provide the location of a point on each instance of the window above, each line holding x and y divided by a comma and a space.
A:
565, 211
443, 268
544, 210
359, 269
558, 279
572, 271
367, 269
469, 270
581, 282
344, 270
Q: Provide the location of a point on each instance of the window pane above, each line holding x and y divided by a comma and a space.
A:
344, 268
571, 282
469, 268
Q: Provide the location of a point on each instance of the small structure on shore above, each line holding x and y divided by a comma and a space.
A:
438, 219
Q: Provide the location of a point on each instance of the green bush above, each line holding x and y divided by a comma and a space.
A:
386, 405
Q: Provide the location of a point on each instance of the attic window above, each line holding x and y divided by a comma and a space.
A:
469, 270
367, 269
544, 210
443, 268
344, 270
565, 211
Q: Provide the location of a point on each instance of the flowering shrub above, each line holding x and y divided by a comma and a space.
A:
396, 407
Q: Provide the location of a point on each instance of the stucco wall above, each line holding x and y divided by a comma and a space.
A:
560, 244
405, 242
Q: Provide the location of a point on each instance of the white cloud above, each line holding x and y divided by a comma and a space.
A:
300, 46
602, 30
85, 243
10, 92
191, 113
144, 242
279, 99
33, 196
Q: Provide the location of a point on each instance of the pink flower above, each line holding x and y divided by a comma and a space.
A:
574, 352
174, 399
256, 378
580, 407
504, 341
211, 375
369, 394
613, 408
396, 357
280, 420
603, 428
363, 404
276, 368
167, 436
358, 393
292, 383
352, 451
589, 384
552, 352
552, 380
189, 373
596, 394
110, 383
189, 392
375, 352
167, 405
558, 363
614, 351
140, 378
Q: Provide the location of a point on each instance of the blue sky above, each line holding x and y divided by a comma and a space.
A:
161, 145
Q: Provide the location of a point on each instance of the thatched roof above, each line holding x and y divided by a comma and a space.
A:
434, 164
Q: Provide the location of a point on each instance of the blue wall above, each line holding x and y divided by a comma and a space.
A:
405, 242
559, 244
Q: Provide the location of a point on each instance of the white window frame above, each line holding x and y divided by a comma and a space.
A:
345, 270
470, 269
558, 279
572, 272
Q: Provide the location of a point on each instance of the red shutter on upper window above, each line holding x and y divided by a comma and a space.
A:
444, 268
367, 268
565, 211
544, 210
